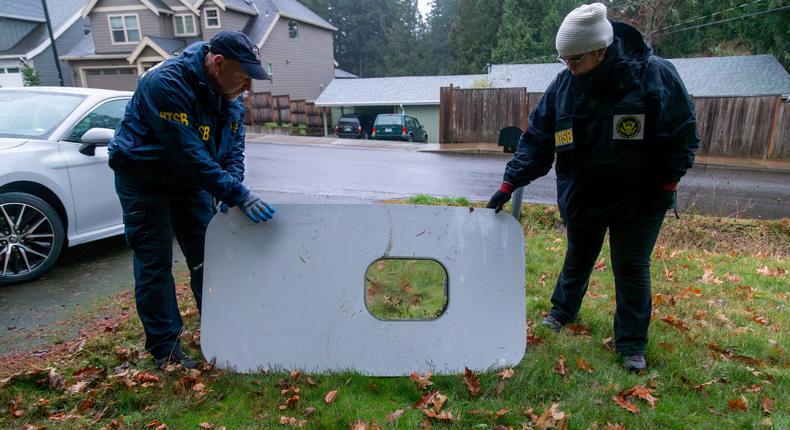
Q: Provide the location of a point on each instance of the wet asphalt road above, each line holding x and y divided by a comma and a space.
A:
31, 314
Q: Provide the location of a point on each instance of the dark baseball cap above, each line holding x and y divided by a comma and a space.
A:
237, 46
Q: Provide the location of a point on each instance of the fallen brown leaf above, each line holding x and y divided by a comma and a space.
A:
309, 411
394, 416
206, 426
84, 405
295, 374
311, 382
610, 426
582, 364
438, 402
737, 404
644, 393
153, 424
578, 329
625, 404
292, 422
472, 382
677, 323
551, 417
560, 366
421, 381
330, 397
146, 377
425, 398
442, 416
767, 404
14, 407
506, 374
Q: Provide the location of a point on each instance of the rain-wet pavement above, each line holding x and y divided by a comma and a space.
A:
93, 272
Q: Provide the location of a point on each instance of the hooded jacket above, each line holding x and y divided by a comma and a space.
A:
618, 132
177, 126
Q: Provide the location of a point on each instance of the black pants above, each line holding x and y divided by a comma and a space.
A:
631, 244
154, 210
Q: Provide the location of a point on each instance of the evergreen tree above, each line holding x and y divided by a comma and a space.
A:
436, 40
473, 35
30, 76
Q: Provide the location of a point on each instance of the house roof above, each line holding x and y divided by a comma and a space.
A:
164, 46
62, 13
269, 11
342, 74
156, 6
407, 90
26, 11
295, 10
748, 75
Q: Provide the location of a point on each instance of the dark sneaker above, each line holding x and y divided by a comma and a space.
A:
553, 323
177, 357
635, 363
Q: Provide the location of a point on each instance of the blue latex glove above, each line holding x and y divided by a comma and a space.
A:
256, 209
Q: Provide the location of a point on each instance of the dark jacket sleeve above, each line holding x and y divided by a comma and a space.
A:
234, 161
170, 112
535, 153
676, 129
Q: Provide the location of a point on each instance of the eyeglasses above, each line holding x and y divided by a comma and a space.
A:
572, 61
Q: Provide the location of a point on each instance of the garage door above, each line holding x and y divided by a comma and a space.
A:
112, 78
10, 77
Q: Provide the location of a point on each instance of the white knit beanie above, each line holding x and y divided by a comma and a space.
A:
585, 29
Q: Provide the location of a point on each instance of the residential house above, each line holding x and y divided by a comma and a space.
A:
130, 36
24, 38
418, 96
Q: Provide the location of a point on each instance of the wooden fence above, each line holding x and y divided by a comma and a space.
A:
743, 127
476, 115
264, 107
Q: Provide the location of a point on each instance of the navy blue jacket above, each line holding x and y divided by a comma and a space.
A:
177, 125
618, 133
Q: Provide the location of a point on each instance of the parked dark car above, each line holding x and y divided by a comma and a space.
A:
354, 125
390, 126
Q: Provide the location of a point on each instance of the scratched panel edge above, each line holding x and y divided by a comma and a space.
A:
234, 235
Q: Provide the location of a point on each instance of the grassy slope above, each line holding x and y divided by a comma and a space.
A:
721, 290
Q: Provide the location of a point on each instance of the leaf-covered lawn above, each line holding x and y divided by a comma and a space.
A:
717, 357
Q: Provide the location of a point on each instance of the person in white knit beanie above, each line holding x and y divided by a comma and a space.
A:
619, 128
583, 37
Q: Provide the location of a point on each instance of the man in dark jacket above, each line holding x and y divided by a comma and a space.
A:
623, 129
180, 143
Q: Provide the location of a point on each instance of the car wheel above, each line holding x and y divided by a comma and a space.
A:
426, 138
31, 237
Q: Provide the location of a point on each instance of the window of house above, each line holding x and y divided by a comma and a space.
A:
293, 29
212, 17
185, 25
270, 70
13, 70
124, 29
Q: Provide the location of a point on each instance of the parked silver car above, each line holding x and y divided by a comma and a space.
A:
56, 188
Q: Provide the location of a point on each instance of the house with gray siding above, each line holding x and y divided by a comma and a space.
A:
24, 38
130, 36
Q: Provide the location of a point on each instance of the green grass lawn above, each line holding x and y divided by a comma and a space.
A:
718, 354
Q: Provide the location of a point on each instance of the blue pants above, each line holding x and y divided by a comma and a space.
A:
154, 210
631, 244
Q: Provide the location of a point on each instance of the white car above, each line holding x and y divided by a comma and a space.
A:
56, 188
